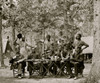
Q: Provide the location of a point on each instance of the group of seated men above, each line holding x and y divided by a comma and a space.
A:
62, 54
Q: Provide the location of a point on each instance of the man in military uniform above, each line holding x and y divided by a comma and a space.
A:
78, 60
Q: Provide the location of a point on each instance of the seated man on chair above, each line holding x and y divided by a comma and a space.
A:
32, 56
20, 63
65, 58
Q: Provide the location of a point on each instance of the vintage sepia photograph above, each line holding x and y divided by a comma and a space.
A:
49, 41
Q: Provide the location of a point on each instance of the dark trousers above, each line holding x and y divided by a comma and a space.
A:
63, 66
69, 68
21, 68
78, 67
53, 68
30, 68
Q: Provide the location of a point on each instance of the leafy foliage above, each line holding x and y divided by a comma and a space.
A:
38, 15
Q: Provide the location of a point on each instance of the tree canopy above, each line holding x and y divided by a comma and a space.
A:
37, 15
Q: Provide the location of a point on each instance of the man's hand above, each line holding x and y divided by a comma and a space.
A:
15, 63
76, 62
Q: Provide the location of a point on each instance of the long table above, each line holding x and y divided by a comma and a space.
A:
46, 64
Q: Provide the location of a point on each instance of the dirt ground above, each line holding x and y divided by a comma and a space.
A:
6, 76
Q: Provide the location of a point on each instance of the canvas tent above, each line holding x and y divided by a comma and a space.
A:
89, 41
4, 44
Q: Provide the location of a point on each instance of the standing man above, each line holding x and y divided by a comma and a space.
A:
22, 46
47, 46
78, 60
21, 50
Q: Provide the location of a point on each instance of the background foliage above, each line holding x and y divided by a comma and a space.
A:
55, 17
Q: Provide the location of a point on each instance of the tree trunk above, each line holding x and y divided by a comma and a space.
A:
13, 28
1, 54
94, 74
66, 18
13, 37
